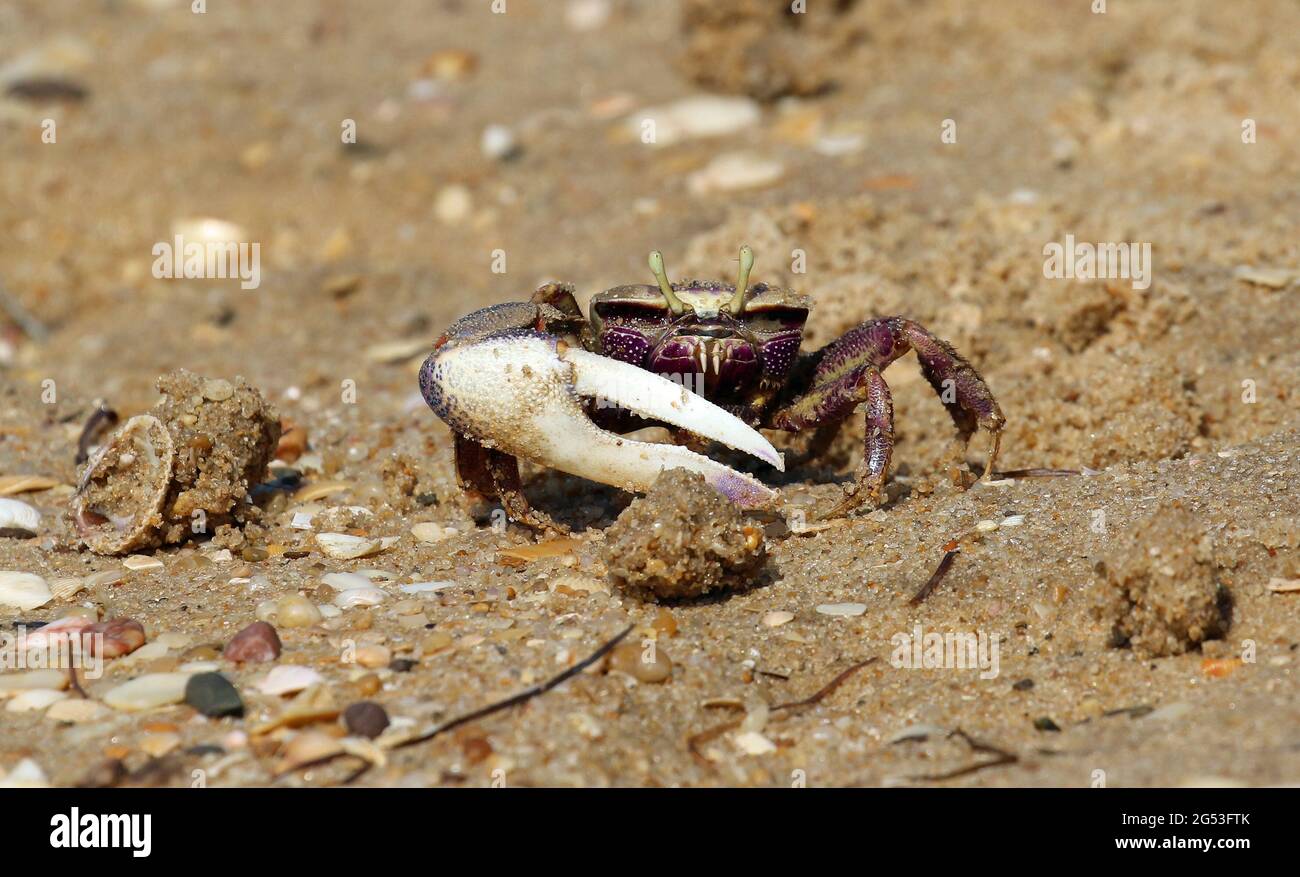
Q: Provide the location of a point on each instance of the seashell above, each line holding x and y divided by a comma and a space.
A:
320, 490
307, 747
368, 596
314, 704
141, 562
425, 587
27, 774
148, 691
67, 587
12, 484
18, 515
13, 683
430, 533
342, 546
23, 590
77, 711
34, 699
842, 610
118, 505
289, 679
345, 581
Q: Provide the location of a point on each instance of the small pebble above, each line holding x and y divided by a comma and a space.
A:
453, 204
776, 619
295, 610
213, 695
373, 657
498, 143
365, 718
254, 644
629, 658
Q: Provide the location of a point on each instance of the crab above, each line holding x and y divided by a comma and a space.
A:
711, 361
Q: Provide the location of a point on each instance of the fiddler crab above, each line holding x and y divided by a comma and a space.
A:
712, 361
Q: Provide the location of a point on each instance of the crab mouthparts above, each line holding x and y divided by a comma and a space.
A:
521, 392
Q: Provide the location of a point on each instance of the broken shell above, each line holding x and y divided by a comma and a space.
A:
308, 747
34, 699
18, 515
118, 504
12, 484
370, 596
67, 587
289, 679
345, 547
142, 562
23, 590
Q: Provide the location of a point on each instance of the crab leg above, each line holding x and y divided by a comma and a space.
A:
519, 391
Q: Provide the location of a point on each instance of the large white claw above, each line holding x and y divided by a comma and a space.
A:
520, 392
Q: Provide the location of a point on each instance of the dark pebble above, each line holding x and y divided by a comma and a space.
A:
427, 499
213, 695
1043, 723
1023, 685
365, 718
254, 644
43, 89
205, 749
401, 665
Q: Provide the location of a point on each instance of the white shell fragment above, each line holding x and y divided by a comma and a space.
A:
693, 117
367, 596
288, 679
425, 587
842, 610
343, 546
430, 533
34, 699
18, 515
23, 590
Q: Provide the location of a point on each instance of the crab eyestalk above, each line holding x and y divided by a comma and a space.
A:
737, 303
657, 266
